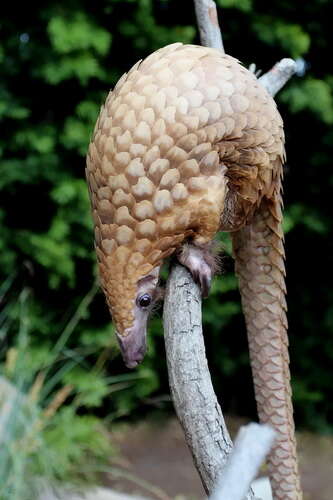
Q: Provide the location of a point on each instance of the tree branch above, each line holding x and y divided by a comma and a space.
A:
208, 24
277, 77
191, 387
252, 444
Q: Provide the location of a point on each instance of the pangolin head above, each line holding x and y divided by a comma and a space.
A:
130, 255
129, 278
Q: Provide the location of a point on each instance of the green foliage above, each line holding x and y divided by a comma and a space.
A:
76, 43
78, 33
72, 440
298, 214
58, 63
291, 37
93, 388
55, 450
244, 5
311, 94
147, 35
42, 433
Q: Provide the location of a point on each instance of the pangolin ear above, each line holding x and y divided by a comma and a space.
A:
155, 272
152, 277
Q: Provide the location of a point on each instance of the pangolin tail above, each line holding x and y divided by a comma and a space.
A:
259, 254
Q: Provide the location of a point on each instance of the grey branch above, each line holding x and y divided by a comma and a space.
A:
208, 24
191, 387
210, 36
194, 399
278, 76
252, 444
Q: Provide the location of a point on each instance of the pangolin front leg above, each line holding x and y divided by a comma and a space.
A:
201, 263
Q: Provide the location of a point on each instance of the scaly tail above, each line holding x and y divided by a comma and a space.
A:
259, 253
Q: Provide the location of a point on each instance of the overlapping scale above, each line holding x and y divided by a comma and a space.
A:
154, 163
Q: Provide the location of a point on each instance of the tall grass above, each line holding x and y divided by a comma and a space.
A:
43, 437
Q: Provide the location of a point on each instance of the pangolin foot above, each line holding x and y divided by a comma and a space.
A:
198, 261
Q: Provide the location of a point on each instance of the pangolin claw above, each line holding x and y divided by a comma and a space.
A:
203, 277
194, 259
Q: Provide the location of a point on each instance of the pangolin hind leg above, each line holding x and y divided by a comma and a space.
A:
259, 253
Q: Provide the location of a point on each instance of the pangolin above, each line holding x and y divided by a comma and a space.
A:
188, 144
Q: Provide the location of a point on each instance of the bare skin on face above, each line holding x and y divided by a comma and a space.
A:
133, 341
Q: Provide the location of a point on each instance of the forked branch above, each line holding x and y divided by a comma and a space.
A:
190, 382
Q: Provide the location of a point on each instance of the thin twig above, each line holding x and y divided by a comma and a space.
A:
278, 76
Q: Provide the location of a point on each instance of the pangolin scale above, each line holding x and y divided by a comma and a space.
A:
188, 144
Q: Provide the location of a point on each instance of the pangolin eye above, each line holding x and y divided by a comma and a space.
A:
144, 300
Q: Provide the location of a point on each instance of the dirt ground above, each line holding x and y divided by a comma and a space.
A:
154, 461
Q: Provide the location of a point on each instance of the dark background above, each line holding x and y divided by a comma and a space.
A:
58, 61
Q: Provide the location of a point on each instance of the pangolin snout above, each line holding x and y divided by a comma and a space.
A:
133, 346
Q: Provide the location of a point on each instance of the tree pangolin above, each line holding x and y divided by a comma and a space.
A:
189, 144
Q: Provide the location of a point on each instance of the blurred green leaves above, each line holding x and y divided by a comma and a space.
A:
147, 34
91, 386
313, 95
291, 37
77, 33
299, 214
244, 5
82, 67
84, 433
58, 64
76, 42
42, 434
41, 139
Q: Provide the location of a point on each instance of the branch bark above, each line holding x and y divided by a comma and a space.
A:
277, 77
208, 24
191, 388
252, 444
